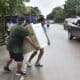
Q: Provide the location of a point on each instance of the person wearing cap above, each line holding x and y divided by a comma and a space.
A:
15, 42
37, 64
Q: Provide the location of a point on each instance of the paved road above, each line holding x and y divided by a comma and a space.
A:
61, 59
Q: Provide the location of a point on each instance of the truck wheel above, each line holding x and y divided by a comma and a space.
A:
70, 37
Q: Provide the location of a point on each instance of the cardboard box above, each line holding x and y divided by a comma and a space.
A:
37, 35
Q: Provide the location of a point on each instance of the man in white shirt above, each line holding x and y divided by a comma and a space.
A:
9, 26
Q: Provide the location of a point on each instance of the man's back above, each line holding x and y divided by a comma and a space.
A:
16, 38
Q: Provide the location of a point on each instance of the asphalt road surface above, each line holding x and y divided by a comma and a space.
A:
61, 59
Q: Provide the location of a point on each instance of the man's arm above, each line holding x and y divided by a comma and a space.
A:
47, 37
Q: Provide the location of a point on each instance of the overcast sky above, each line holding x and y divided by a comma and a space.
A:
46, 6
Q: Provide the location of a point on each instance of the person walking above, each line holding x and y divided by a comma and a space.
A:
41, 51
15, 43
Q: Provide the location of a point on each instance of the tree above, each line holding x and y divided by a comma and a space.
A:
36, 11
78, 10
10, 7
57, 14
32, 11
71, 8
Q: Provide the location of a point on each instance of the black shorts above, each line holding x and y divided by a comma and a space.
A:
16, 56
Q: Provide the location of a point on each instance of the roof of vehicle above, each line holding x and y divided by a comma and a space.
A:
71, 20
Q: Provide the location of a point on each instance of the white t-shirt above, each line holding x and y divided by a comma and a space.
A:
9, 25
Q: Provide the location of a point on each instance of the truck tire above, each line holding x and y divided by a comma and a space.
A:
70, 37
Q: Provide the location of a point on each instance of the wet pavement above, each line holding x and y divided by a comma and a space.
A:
61, 59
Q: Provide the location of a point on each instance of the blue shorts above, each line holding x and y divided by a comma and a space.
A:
16, 56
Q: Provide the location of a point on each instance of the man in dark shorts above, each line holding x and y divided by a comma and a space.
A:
14, 45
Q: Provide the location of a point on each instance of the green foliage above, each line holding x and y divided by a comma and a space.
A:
57, 14
71, 9
77, 10
36, 11
32, 11
11, 7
